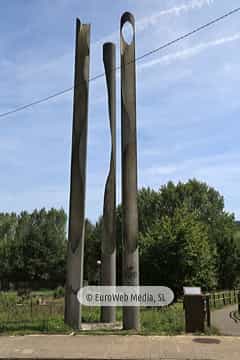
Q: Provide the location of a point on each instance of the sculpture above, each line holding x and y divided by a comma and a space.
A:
76, 234
75, 258
108, 271
129, 170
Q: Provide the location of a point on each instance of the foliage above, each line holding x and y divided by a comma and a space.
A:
168, 321
32, 318
92, 251
185, 237
208, 205
59, 292
33, 248
7, 298
205, 223
178, 250
23, 293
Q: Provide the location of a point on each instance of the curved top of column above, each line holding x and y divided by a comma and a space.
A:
127, 17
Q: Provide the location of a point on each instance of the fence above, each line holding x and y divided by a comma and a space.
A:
223, 298
30, 315
215, 300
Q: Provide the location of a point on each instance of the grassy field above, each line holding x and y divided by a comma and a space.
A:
18, 316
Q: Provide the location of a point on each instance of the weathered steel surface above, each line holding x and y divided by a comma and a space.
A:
129, 170
108, 270
74, 279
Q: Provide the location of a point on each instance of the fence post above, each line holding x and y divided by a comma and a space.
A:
224, 300
208, 310
31, 308
214, 300
238, 295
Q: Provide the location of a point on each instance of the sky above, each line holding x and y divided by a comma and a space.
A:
187, 99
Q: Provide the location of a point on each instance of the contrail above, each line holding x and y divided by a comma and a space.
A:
191, 51
176, 10
152, 20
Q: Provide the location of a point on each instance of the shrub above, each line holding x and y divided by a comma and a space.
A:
59, 292
24, 293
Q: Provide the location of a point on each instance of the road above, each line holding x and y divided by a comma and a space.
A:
226, 320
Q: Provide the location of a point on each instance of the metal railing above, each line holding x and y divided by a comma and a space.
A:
222, 298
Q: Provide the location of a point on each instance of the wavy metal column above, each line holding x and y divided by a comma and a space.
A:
108, 264
129, 171
75, 259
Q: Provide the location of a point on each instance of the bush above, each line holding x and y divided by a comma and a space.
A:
24, 293
59, 292
8, 298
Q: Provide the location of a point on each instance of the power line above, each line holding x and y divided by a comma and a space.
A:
151, 52
47, 98
200, 28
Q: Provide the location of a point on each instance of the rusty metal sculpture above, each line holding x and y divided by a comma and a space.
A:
129, 170
75, 259
108, 264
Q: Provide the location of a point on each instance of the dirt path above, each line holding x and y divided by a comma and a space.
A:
227, 320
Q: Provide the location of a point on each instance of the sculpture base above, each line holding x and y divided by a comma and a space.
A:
101, 326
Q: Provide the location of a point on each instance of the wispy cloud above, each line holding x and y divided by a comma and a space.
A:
176, 10
152, 20
178, 106
198, 164
190, 51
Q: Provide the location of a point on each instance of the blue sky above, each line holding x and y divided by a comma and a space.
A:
187, 98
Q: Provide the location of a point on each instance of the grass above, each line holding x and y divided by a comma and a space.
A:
43, 292
28, 317
51, 326
24, 316
92, 314
167, 321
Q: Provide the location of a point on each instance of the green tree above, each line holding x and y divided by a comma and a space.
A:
92, 250
207, 205
8, 224
33, 247
175, 252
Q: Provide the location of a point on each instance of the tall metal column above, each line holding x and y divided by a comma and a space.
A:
108, 264
129, 171
75, 259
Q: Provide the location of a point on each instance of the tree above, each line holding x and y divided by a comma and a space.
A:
8, 224
175, 252
92, 250
236, 237
207, 205
227, 252
33, 247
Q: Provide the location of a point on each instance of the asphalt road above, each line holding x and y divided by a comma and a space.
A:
227, 321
